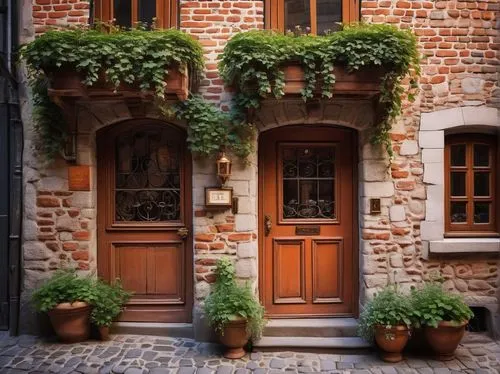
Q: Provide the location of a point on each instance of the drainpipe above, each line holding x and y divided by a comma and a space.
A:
10, 112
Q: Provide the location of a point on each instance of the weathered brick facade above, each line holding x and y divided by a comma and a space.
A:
460, 44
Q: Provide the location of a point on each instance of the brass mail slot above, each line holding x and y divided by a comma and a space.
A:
307, 230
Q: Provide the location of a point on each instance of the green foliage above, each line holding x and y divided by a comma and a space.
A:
131, 57
110, 299
210, 129
228, 301
64, 286
49, 123
388, 308
137, 57
253, 61
432, 304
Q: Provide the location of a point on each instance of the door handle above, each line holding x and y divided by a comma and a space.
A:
183, 232
268, 224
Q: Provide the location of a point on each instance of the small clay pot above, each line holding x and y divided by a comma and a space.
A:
69, 81
445, 338
71, 322
104, 332
391, 341
234, 336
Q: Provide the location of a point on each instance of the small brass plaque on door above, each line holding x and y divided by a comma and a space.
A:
307, 230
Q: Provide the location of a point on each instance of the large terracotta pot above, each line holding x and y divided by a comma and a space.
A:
68, 82
71, 322
391, 341
445, 338
234, 336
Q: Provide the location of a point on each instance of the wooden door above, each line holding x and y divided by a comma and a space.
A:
144, 209
307, 222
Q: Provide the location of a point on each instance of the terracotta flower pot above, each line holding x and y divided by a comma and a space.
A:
67, 81
71, 322
445, 338
391, 341
104, 332
234, 336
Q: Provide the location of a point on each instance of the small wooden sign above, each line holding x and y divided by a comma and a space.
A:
218, 197
307, 230
79, 178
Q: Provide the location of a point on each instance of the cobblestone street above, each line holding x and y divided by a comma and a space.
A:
132, 354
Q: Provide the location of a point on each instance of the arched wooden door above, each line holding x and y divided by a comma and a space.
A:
307, 220
144, 218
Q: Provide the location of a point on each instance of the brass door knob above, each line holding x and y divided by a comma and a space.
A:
183, 232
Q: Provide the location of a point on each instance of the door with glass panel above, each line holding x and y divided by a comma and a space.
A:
307, 222
144, 218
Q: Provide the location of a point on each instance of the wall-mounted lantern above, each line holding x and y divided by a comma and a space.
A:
224, 165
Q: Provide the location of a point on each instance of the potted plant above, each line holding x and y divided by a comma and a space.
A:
233, 311
444, 317
68, 299
387, 320
109, 303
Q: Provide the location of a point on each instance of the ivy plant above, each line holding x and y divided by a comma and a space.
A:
253, 63
388, 308
228, 300
210, 129
104, 54
110, 301
432, 304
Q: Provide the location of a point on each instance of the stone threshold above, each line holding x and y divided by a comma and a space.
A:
176, 330
311, 327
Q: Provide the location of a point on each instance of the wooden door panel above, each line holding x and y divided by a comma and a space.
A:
166, 272
289, 271
131, 267
327, 273
307, 188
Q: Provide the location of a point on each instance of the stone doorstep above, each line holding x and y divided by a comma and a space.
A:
177, 330
311, 327
346, 345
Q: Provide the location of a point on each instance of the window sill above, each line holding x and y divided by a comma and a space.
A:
465, 246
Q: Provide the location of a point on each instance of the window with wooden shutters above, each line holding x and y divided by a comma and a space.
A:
127, 13
319, 16
470, 181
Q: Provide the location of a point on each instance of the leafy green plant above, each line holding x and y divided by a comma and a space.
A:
109, 303
65, 286
432, 304
253, 62
106, 54
388, 308
228, 301
210, 129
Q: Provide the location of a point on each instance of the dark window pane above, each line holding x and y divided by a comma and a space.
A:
326, 198
481, 155
290, 198
458, 155
147, 11
329, 14
148, 185
123, 12
481, 212
297, 14
458, 212
481, 184
457, 184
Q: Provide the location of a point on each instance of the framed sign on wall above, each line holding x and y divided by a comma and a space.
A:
218, 197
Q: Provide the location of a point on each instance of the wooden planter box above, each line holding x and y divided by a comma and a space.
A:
365, 81
69, 84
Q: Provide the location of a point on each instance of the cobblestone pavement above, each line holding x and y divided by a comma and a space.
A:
132, 354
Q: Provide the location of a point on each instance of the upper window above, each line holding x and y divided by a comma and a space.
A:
127, 13
470, 179
318, 16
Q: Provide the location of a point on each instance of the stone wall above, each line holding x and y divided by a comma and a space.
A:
459, 40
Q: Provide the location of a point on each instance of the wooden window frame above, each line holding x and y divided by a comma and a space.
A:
167, 12
274, 14
471, 229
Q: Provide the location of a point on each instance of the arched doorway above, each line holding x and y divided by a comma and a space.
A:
308, 221
144, 218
